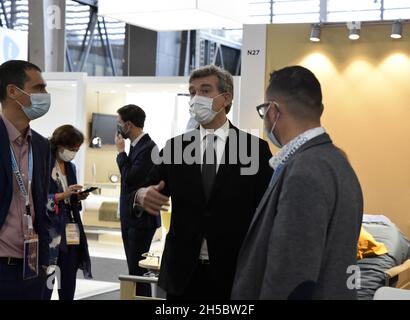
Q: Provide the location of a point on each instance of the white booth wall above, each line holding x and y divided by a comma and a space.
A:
74, 98
67, 107
162, 99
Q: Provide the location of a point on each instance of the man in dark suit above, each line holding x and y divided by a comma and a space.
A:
137, 232
215, 175
303, 239
24, 179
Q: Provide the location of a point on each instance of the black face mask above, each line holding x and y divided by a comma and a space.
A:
120, 130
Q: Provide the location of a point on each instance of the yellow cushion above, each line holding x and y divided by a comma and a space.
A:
367, 246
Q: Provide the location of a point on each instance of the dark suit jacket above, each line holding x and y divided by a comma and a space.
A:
56, 223
223, 220
134, 169
304, 234
41, 178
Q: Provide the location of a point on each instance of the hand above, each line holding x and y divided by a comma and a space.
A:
119, 143
73, 189
152, 200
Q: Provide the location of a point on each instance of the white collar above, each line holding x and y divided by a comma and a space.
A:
222, 132
137, 139
292, 146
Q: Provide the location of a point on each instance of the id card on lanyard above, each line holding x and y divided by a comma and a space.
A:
72, 231
30, 257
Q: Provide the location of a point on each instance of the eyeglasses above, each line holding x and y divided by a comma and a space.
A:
262, 109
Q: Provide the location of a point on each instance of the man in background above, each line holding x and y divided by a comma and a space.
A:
137, 231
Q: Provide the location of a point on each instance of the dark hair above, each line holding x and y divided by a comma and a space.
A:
301, 90
225, 80
14, 72
66, 136
134, 114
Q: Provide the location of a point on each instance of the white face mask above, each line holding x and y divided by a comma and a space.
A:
67, 155
200, 109
192, 124
40, 104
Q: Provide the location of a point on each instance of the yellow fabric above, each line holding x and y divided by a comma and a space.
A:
368, 246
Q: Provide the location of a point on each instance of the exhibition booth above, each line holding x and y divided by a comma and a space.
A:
366, 94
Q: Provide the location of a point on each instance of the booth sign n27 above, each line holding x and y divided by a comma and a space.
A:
254, 52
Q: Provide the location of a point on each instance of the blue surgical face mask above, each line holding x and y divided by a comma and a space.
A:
271, 134
40, 104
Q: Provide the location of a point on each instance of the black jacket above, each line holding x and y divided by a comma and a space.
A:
134, 169
303, 239
223, 220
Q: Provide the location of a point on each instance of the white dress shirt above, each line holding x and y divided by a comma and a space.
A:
137, 139
222, 135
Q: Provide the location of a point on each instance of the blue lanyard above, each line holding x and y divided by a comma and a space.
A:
17, 173
275, 175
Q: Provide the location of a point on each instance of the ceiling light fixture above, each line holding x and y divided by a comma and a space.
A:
396, 30
315, 33
354, 30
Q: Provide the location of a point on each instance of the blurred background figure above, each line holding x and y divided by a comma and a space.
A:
137, 230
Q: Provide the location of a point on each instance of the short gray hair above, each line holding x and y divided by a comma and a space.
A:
225, 79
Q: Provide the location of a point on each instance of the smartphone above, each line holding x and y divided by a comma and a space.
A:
91, 189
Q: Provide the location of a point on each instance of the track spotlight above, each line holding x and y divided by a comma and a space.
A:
315, 33
354, 30
354, 34
396, 30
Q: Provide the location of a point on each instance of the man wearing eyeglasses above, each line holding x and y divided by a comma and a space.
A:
303, 237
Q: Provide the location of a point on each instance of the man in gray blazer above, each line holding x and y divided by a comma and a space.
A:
303, 238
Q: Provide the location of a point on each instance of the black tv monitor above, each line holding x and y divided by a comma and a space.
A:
104, 126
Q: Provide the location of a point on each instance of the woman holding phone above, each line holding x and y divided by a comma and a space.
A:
68, 247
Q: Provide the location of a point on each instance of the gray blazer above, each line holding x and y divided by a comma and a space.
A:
304, 234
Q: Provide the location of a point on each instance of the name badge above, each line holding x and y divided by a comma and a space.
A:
72, 233
30, 266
